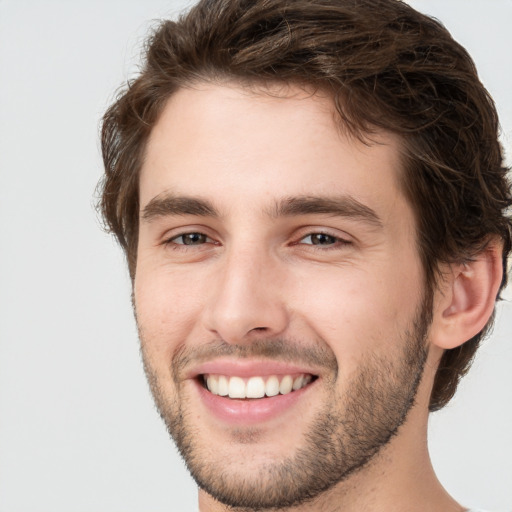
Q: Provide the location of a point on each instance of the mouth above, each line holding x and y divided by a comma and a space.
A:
255, 387
244, 392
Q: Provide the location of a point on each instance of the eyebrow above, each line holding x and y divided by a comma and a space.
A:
169, 205
339, 206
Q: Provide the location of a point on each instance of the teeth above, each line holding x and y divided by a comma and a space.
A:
272, 386
255, 387
213, 384
286, 385
297, 383
223, 386
236, 388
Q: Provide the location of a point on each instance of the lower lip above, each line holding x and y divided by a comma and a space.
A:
251, 411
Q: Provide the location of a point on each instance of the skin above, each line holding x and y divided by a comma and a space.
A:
256, 276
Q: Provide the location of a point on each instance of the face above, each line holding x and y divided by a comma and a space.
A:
278, 292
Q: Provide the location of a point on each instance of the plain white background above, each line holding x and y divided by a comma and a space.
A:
78, 431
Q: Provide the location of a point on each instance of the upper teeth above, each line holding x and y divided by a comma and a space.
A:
255, 387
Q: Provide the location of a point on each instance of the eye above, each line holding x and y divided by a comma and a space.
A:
321, 239
190, 239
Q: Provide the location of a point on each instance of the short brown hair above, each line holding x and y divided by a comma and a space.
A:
386, 66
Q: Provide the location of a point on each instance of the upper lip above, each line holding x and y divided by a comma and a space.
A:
249, 368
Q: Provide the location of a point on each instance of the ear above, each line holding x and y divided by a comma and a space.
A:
465, 298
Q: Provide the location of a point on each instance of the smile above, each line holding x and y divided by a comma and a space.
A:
255, 387
249, 392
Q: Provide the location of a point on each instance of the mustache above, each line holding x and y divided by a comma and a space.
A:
277, 349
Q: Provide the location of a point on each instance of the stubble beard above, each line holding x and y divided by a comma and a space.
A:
346, 435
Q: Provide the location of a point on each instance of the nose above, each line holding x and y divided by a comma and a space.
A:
246, 300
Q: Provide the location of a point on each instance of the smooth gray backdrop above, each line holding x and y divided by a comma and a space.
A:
78, 431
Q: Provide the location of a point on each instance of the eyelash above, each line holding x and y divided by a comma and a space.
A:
336, 241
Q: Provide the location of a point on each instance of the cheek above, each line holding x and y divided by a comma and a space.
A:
356, 311
337, 311
166, 308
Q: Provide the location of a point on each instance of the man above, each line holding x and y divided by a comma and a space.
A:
312, 198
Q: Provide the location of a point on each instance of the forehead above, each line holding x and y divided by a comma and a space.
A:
243, 146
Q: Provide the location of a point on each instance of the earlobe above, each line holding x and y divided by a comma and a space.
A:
466, 298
